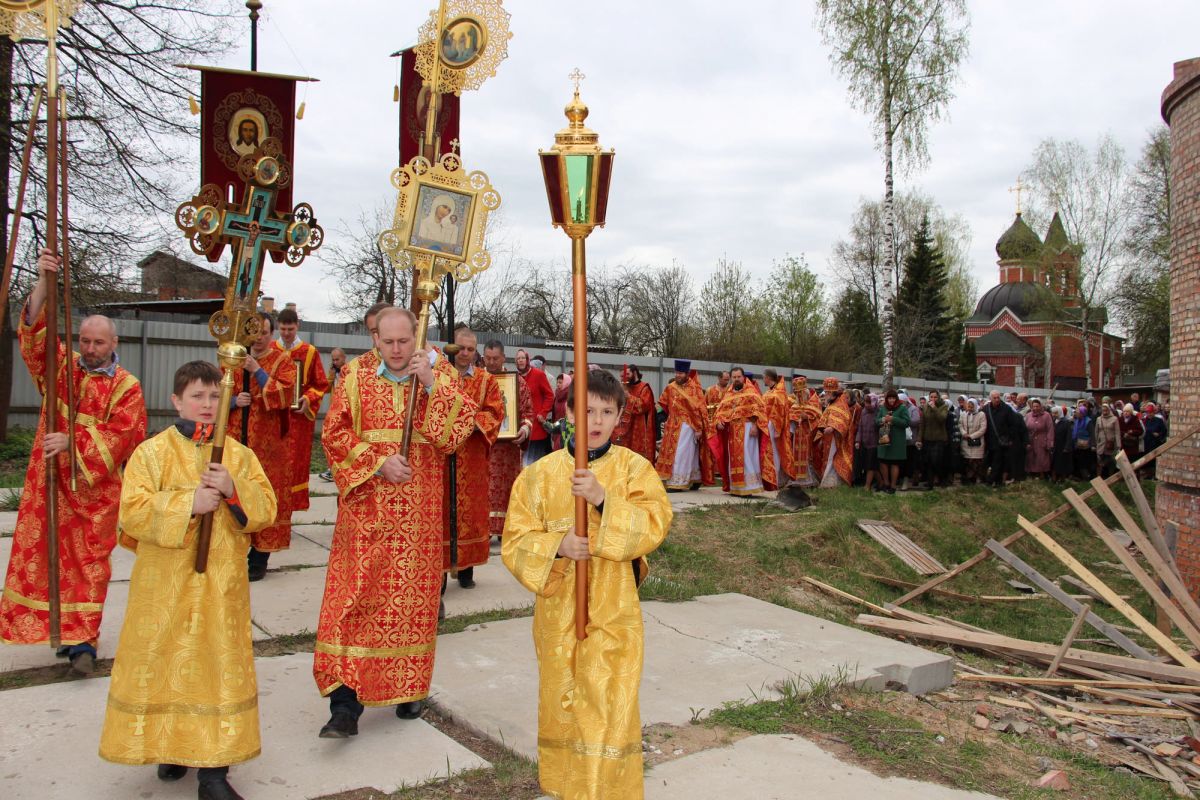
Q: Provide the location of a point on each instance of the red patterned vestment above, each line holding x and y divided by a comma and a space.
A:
636, 429
270, 423
712, 399
310, 373
683, 404
378, 624
804, 413
778, 405
110, 421
736, 409
838, 416
505, 463
472, 493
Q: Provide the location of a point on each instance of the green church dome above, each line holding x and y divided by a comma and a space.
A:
1019, 242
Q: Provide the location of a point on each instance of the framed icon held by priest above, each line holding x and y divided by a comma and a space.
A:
510, 425
443, 221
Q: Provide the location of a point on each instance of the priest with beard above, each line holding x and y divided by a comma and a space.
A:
742, 443
681, 462
636, 427
833, 449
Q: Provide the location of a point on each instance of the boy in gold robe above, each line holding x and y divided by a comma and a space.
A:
183, 690
589, 728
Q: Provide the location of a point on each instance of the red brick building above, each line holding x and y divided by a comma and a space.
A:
1028, 329
168, 277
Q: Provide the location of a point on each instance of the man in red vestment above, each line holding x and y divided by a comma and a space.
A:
833, 436
312, 383
712, 398
542, 397
472, 459
805, 410
636, 428
269, 376
505, 461
742, 443
682, 460
110, 421
778, 406
377, 629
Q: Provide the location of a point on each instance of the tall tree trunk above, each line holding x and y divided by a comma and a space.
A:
886, 300
6, 140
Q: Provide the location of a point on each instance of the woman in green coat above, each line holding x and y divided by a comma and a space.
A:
892, 419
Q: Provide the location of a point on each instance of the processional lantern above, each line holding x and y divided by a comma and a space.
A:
35, 19
577, 175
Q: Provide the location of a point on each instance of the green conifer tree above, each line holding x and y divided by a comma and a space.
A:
967, 362
926, 335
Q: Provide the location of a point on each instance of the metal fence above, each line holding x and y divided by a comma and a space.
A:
153, 349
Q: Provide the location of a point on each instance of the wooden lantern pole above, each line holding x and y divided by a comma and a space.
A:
580, 384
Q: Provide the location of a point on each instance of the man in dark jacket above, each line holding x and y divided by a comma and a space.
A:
934, 435
1002, 424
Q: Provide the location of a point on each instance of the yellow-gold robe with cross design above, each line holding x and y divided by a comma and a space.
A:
183, 687
589, 726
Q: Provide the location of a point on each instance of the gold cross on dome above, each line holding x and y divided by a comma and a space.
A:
1020, 187
576, 76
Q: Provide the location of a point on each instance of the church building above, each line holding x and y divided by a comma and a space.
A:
1028, 330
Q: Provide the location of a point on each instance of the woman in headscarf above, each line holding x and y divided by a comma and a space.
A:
562, 396
1083, 444
1108, 439
866, 441
892, 421
972, 424
910, 472
1064, 458
1156, 434
1132, 431
1040, 447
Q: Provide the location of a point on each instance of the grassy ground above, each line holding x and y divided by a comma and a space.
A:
14, 458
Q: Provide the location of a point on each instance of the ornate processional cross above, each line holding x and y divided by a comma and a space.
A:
577, 77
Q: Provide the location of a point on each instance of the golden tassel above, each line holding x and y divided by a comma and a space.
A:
300, 110
396, 93
193, 106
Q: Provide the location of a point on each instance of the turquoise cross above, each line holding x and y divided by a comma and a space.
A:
252, 230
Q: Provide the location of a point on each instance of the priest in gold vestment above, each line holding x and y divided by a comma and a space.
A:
183, 690
589, 726
378, 623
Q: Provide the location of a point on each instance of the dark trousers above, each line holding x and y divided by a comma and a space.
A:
212, 774
1085, 463
345, 700
258, 558
997, 462
935, 462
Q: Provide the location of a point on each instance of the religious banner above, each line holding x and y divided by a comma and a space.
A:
240, 110
414, 106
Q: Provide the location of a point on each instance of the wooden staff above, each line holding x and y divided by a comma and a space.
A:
426, 292
51, 374
72, 456
579, 303
19, 209
232, 356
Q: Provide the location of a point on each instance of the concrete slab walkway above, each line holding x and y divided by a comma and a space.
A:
699, 655
49, 736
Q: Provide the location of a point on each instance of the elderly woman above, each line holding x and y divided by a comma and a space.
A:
1156, 434
1040, 448
892, 421
1064, 451
1108, 440
972, 426
866, 441
1132, 431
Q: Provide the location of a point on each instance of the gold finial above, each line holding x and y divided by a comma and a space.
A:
576, 76
454, 145
1020, 187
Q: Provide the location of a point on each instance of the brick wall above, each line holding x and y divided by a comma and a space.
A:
1178, 494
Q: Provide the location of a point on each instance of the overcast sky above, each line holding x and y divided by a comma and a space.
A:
733, 136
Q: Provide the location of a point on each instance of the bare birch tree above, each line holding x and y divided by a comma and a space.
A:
900, 59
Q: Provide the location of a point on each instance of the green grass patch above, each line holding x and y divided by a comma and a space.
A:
461, 622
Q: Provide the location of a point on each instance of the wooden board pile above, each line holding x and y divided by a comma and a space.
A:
1147, 703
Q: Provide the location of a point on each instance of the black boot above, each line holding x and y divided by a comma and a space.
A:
256, 564
341, 725
171, 772
466, 578
411, 710
214, 785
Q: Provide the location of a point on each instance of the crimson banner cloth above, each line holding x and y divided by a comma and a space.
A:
414, 105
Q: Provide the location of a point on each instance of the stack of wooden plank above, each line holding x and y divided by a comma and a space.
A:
1109, 695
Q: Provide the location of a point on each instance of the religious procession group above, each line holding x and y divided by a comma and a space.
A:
183, 692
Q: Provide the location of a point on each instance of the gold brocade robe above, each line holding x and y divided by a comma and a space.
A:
378, 624
589, 727
183, 688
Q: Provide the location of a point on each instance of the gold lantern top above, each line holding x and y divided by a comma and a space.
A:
577, 172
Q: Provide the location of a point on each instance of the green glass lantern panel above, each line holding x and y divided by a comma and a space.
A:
579, 188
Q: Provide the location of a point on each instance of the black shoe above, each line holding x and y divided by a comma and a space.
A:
218, 790
171, 772
410, 710
466, 578
257, 572
441, 611
63, 652
341, 725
